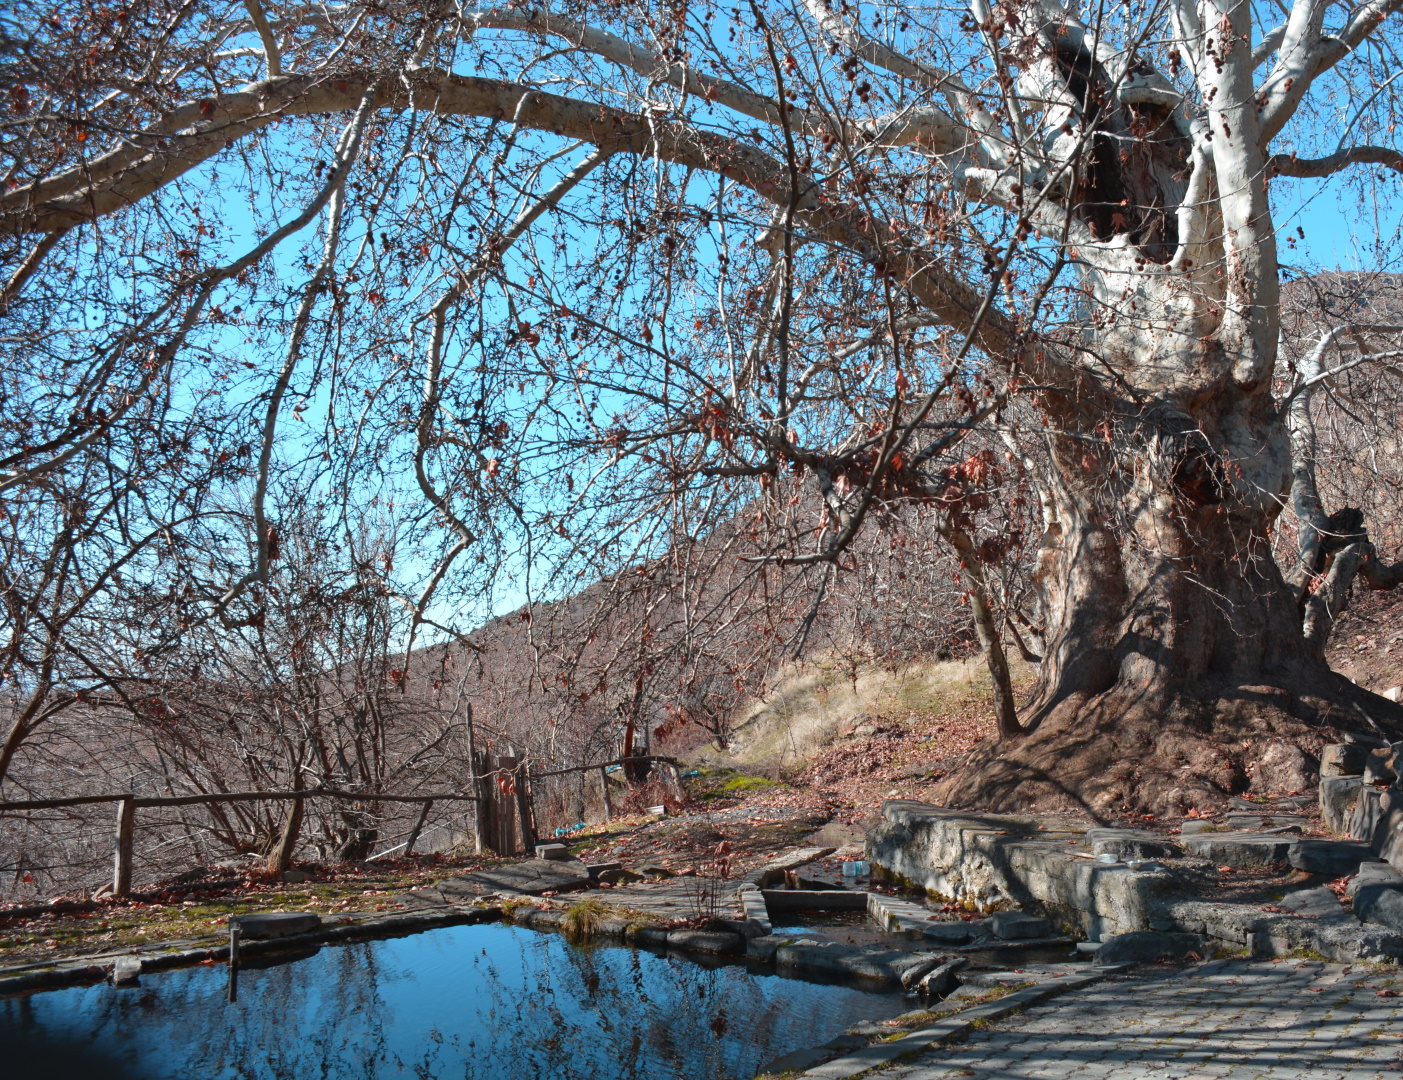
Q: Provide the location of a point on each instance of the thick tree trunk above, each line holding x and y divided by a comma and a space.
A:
1175, 651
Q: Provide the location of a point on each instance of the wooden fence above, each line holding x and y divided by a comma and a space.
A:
503, 818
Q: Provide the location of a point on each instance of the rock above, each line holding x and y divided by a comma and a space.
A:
1143, 946
1194, 827
296, 877
1011, 925
1318, 903
1393, 693
1343, 759
1368, 814
1379, 767
941, 980
1131, 844
1374, 874
654, 870
552, 851
595, 869
1283, 767
864, 731
916, 972
1240, 850
276, 924
1388, 838
1382, 908
1377, 894
706, 941
1338, 795
126, 971
1335, 858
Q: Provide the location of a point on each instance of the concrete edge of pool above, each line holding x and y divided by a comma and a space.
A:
746, 939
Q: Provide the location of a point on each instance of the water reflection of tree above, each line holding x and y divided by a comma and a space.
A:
481, 1003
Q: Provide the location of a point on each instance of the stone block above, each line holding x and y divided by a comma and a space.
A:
1318, 903
595, 869
1131, 844
1375, 874
1194, 828
706, 941
1335, 858
1368, 814
1388, 837
1379, 768
1011, 925
939, 981
1338, 795
1145, 946
954, 933
1240, 850
276, 924
126, 971
1381, 905
552, 851
1343, 759
296, 877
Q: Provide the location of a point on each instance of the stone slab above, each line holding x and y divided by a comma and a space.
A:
552, 851
1240, 850
267, 925
534, 876
1318, 903
813, 900
772, 873
1016, 925
1131, 844
1335, 858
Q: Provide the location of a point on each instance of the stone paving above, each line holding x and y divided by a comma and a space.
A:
1284, 1020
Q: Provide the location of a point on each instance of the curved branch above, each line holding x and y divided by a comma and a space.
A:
118, 184
1291, 165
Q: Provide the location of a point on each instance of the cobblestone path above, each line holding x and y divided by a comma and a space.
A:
1288, 1020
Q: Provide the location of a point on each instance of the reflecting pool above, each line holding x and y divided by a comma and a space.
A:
486, 1002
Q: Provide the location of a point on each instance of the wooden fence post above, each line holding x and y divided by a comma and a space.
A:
122, 862
521, 777
604, 790
418, 826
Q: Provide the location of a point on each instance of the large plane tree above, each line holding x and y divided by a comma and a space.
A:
544, 288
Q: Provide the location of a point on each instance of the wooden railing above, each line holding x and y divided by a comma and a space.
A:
128, 803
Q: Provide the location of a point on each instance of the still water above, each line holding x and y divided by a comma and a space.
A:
487, 1002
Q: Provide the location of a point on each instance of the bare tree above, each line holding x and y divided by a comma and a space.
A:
587, 282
